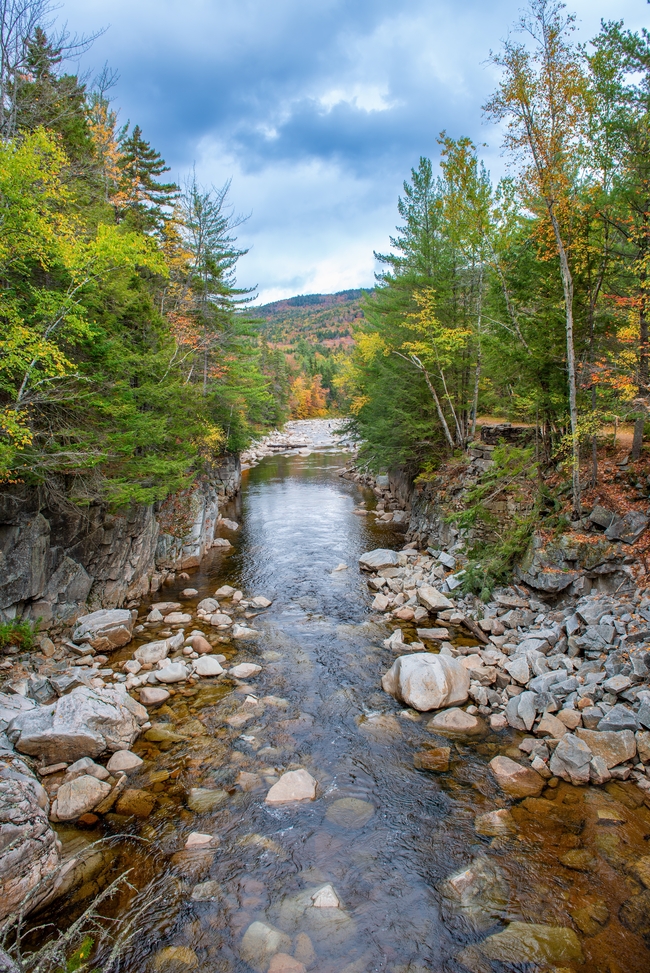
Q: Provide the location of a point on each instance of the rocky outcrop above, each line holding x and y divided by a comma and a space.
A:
57, 559
30, 848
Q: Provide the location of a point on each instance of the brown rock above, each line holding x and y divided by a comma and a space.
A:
135, 802
514, 779
614, 746
437, 758
550, 726
200, 644
570, 717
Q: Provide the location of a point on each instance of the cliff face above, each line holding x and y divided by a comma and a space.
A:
56, 563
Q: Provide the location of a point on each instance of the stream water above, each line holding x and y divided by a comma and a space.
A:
383, 834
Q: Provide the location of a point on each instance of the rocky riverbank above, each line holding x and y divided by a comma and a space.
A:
578, 678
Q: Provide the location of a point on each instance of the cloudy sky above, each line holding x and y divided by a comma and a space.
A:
317, 109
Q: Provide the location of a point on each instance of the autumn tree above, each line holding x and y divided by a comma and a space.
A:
541, 98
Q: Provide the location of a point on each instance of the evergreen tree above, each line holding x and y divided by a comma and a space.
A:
145, 203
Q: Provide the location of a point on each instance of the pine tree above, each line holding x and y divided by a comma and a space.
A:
146, 202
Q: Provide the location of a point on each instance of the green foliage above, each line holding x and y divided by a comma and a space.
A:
17, 633
127, 360
78, 959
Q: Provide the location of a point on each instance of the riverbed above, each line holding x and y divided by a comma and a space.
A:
383, 836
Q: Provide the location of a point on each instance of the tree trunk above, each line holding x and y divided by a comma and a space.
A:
441, 415
637, 440
567, 285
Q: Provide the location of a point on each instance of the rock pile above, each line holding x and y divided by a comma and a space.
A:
576, 678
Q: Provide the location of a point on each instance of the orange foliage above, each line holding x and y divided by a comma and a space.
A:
307, 399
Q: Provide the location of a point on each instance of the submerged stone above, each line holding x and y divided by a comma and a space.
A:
350, 812
478, 893
527, 942
260, 943
493, 824
202, 799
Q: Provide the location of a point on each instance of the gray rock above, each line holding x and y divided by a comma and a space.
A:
41, 690
448, 560
512, 714
601, 516
570, 760
643, 716
11, 705
432, 599
519, 669
619, 718
627, 528
378, 559
526, 709
30, 848
543, 683
208, 605
617, 684
65, 682
84, 723
533, 644
105, 630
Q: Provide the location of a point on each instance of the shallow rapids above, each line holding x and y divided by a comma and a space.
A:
382, 834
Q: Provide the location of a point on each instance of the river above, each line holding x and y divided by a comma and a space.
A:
382, 834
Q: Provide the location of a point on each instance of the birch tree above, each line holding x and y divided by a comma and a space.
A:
541, 99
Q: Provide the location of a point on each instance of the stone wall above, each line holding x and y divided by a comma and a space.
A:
57, 561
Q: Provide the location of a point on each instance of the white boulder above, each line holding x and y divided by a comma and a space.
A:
174, 672
425, 681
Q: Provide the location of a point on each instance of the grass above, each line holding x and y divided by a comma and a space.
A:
21, 634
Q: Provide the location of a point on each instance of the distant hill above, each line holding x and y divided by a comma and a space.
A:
323, 319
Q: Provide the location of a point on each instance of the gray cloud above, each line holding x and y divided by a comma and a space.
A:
317, 109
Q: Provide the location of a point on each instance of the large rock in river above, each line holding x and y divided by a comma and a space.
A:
426, 681
376, 560
84, 723
106, 629
30, 848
